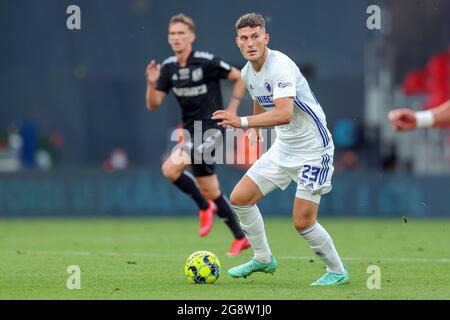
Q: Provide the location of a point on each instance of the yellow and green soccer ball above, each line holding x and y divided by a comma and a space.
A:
202, 267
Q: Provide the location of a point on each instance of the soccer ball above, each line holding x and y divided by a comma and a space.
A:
202, 267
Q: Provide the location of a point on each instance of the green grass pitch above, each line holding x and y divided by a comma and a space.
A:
144, 259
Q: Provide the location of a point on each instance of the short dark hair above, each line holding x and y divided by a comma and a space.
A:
182, 18
251, 20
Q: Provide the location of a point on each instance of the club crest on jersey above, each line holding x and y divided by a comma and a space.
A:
197, 74
184, 73
175, 77
268, 87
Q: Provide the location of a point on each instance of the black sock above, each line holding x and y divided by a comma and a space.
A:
226, 213
187, 184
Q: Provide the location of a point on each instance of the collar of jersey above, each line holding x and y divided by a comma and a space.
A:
189, 59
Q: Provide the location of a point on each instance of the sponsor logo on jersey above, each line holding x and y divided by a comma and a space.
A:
265, 101
197, 74
204, 55
184, 73
267, 86
284, 84
190, 91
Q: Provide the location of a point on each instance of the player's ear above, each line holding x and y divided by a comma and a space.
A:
193, 37
266, 38
237, 41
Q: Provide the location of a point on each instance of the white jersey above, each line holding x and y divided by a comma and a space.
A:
280, 77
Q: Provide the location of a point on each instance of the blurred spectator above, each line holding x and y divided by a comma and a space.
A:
22, 146
10, 148
389, 160
118, 160
345, 133
28, 133
348, 161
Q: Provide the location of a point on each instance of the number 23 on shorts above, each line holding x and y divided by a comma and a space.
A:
310, 172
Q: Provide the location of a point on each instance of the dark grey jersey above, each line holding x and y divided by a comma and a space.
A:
196, 86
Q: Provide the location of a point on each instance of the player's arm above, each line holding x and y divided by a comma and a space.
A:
406, 119
281, 114
257, 109
238, 90
154, 97
441, 115
256, 134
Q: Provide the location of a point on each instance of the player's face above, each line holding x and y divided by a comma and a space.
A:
180, 37
252, 42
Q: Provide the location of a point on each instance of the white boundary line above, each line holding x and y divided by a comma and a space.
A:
148, 254
373, 260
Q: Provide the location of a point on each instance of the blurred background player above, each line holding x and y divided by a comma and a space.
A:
303, 151
194, 77
405, 119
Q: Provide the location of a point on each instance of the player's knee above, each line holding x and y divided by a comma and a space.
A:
301, 225
211, 193
239, 199
169, 171
303, 220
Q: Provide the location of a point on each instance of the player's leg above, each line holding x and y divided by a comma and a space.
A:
173, 169
305, 221
244, 198
263, 177
306, 205
209, 186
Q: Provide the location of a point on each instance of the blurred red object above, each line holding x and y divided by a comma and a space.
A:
414, 82
437, 80
436, 98
3, 144
57, 139
180, 134
246, 152
433, 81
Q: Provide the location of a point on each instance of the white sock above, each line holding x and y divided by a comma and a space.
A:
253, 226
321, 243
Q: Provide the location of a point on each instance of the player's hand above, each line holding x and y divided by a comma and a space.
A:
227, 119
255, 136
232, 110
153, 72
402, 119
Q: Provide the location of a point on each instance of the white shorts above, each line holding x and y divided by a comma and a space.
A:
276, 169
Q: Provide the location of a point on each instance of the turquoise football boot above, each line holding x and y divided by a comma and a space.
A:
246, 269
332, 279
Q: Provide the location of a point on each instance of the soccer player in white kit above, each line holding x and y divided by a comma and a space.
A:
303, 151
